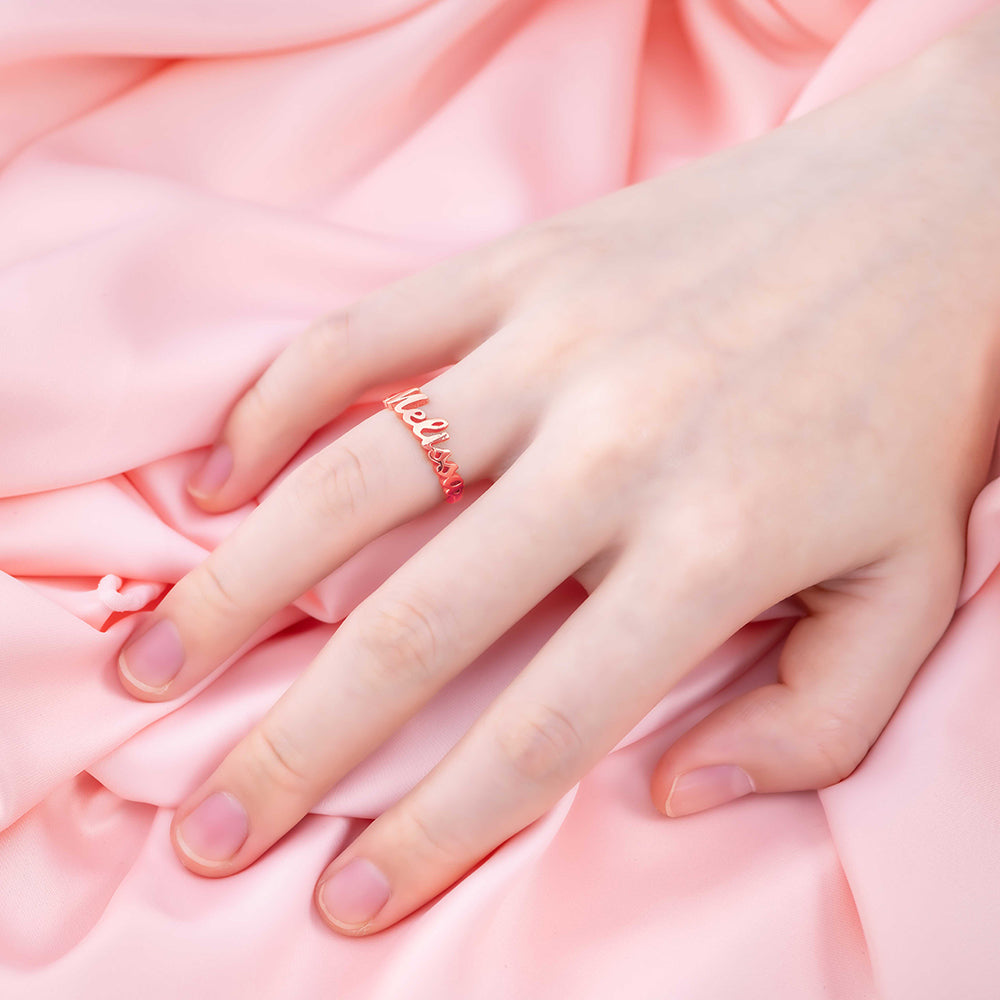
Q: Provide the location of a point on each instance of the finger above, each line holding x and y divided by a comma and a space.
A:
843, 670
595, 679
372, 478
422, 322
446, 605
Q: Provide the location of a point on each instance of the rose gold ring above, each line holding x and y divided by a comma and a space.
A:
428, 432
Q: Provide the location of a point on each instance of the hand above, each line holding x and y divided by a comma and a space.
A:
767, 373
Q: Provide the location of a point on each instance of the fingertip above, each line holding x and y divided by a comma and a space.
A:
706, 787
357, 931
742, 747
147, 664
208, 838
133, 688
202, 868
352, 898
212, 475
328, 921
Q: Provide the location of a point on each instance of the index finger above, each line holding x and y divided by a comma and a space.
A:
419, 323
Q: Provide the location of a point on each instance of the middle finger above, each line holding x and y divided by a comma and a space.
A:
434, 616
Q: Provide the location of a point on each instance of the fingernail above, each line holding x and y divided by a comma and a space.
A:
355, 894
706, 787
214, 472
155, 657
216, 829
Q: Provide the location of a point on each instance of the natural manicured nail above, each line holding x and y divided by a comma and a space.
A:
355, 894
215, 470
153, 659
216, 829
706, 787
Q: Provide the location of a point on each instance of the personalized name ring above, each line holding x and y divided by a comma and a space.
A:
429, 433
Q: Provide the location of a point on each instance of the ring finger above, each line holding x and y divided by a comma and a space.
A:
373, 477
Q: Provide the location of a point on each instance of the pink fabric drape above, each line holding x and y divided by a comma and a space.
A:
184, 185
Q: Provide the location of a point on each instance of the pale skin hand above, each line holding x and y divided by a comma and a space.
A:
772, 372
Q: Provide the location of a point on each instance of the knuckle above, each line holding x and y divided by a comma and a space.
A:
694, 555
518, 256
332, 484
565, 244
556, 251
722, 545
607, 449
839, 744
716, 539
402, 641
209, 592
418, 837
325, 343
539, 743
256, 408
271, 760
548, 237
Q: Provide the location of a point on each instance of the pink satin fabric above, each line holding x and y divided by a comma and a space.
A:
185, 185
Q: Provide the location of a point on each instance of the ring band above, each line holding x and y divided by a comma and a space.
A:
428, 432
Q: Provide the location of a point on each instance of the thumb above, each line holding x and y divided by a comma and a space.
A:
842, 671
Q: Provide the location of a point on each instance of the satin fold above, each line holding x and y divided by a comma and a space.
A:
185, 184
